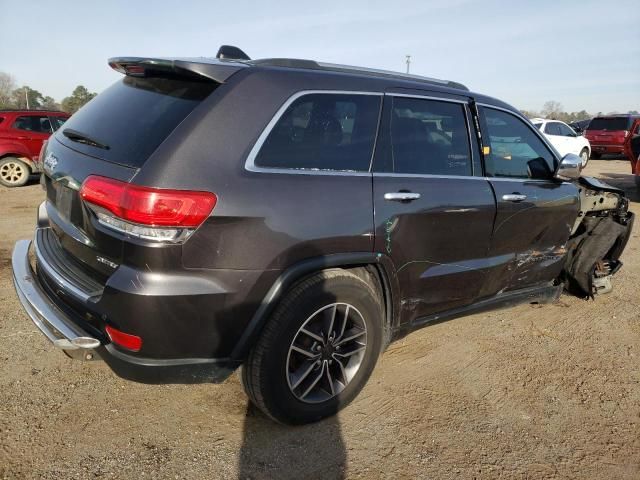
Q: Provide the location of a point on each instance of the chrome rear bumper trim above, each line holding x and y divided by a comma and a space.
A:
51, 321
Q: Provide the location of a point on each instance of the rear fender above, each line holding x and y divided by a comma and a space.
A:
376, 261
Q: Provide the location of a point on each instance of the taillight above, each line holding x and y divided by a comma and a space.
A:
125, 340
150, 213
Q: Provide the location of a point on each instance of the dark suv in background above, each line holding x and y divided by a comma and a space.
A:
294, 217
22, 133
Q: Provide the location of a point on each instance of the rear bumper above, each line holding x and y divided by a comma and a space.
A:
607, 148
81, 340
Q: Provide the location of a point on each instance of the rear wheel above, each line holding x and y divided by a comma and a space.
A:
317, 350
584, 156
13, 172
595, 155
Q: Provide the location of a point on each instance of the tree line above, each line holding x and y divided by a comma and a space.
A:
25, 97
554, 111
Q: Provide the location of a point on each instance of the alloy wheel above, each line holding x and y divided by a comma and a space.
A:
326, 353
585, 157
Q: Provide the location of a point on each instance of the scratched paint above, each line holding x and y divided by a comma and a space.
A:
388, 228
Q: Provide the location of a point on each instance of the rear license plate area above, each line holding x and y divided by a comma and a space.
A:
64, 201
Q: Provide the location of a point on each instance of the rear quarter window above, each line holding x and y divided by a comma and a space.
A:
321, 131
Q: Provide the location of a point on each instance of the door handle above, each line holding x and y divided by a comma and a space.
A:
513, 197
401, 196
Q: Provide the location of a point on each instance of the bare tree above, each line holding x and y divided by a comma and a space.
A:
552, 109
7, 85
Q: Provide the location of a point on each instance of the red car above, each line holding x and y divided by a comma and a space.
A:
632, 149
608, 134
22, 133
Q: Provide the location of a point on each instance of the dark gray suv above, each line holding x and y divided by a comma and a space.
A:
294, 218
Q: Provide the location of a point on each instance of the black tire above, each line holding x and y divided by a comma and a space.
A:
265, 376
637, 179
584, 155
595, 155
13, 172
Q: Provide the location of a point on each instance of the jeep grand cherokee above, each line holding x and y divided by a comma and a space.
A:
293, 218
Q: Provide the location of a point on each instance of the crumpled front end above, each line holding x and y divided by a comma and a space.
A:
598, 239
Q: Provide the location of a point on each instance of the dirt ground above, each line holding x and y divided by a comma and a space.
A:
547, 391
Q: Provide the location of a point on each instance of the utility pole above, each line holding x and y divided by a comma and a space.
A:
408, 62
26, 96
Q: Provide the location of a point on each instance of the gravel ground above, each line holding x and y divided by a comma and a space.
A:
548, 391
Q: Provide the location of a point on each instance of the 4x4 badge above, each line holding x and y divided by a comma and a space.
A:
50, 162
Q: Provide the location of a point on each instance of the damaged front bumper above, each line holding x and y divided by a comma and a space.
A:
598, 239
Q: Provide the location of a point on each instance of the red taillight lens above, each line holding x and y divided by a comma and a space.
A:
125, 340
148, 206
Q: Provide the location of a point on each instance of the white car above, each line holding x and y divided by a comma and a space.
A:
564, 138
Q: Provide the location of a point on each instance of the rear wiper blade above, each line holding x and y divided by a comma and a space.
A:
80, 137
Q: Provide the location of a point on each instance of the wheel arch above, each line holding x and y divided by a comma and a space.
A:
377, 265
19, 156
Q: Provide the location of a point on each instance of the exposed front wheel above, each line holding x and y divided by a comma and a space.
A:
13, 172
584, 156
317, 350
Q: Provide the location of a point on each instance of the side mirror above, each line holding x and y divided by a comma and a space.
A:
569, 168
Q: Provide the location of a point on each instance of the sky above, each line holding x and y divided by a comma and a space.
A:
584, 54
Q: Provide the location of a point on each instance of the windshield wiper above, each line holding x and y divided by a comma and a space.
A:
79, 137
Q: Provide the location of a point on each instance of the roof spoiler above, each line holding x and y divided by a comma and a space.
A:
217, 70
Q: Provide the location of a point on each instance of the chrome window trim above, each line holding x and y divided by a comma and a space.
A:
522, 179
427, 175
426, 97
250, 165
467, 119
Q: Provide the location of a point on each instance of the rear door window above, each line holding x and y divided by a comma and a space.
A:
33, 123
514, 149
134, 116
552, 128
322, 131
429, 137
57, 122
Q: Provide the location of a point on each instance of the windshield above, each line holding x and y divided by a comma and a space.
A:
612, 123
134, 116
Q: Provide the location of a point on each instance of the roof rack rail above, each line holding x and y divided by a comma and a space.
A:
313, 65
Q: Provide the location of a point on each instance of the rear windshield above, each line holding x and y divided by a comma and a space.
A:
134, 116
614, 123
